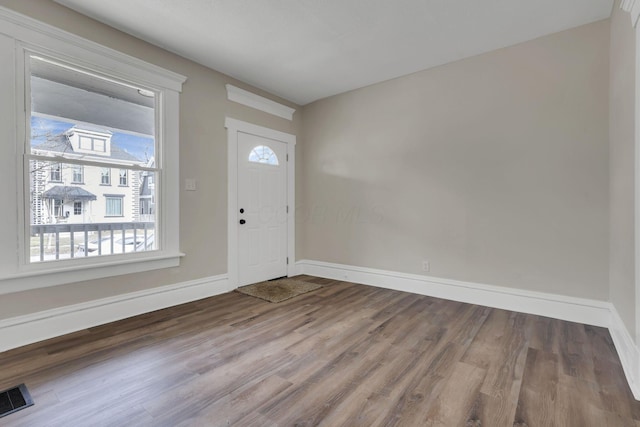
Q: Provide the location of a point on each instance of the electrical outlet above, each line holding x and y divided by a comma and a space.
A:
425, 265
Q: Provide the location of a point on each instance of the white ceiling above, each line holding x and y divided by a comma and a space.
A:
304, 50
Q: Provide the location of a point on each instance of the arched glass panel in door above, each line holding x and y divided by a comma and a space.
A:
263, 154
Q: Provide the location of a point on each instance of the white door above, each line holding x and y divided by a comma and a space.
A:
262, 209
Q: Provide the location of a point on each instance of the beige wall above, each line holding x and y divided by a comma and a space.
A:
621, 166
203, 156
494, 169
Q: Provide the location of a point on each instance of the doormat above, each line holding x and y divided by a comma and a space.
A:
278, 290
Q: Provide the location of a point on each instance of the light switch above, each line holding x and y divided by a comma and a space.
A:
190, 184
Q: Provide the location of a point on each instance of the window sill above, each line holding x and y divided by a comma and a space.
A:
53, 275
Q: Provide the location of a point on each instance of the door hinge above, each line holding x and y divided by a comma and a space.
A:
287, 208
287, 157
287, 260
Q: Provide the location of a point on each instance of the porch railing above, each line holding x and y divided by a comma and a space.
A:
62, 241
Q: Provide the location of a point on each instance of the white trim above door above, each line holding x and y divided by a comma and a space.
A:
233, 127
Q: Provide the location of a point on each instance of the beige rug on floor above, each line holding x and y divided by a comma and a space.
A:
278, 290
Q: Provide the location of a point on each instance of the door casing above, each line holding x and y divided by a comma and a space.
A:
233, 127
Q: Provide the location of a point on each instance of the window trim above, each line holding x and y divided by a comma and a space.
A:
126, 178
103, 175
57, 171
81, 174
93, 144
119, 197
20, 35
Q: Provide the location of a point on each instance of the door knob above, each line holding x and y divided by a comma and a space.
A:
242, 221
241, 210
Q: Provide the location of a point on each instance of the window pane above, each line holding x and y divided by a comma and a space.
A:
77, 174
74, 112
105, 176
114, 206
66, 217
123, 177
77, 210
263, 154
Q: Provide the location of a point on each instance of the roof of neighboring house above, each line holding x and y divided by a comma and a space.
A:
145, 190
61, 144
64, 192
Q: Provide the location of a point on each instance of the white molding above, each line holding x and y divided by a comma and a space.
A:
633, 7
291, 202
38, 33
45, 277
637, 187
258, 102
587, 311
231, 123
22, 330
627, 5
233, 127
627, 351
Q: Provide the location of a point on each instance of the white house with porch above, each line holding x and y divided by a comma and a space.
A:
80, 194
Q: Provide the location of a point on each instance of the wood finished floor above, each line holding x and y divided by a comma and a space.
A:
345, 355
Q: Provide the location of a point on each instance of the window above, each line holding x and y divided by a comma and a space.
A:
123, 177
56, 172
78, 174
105, 176
92, 144
263, 154
114, 205
68, 89
57, 208
116, 134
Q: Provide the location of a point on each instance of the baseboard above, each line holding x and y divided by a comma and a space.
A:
22, 330
562, 307
627, 351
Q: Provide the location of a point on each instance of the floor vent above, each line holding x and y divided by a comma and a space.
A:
14, 399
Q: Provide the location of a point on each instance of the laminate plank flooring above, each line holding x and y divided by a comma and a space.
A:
344, 355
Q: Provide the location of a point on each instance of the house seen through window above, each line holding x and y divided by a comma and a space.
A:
78, 174
123, 177
101, 127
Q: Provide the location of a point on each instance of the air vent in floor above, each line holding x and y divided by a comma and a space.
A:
14, 399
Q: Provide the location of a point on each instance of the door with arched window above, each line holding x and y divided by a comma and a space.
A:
262, 208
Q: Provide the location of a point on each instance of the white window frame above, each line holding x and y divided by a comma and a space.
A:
77, 170
18, 36
55, 168
108, 197
105, 172
125, 176
92, 144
